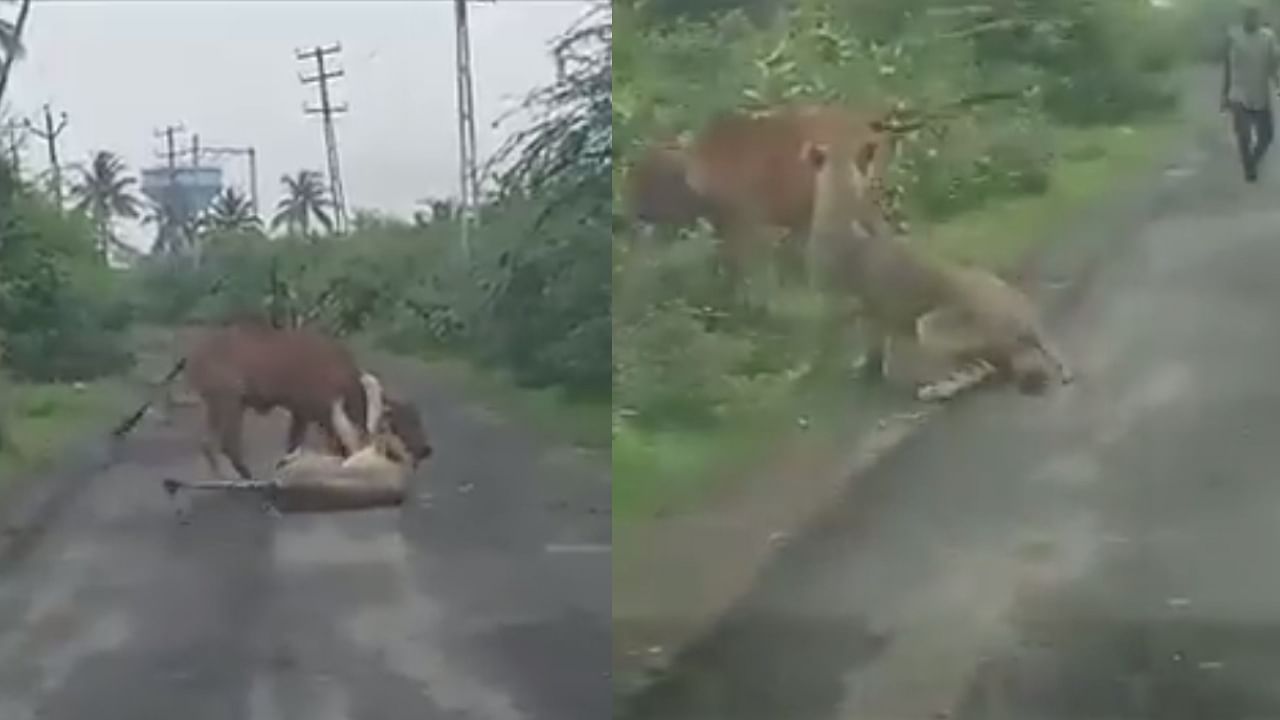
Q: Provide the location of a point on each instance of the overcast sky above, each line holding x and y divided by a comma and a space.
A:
226, 69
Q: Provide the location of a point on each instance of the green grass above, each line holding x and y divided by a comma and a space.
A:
1090, 163
585, 424
43, 421
657, 472
548, 410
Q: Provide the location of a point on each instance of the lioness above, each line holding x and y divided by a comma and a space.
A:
372, 474
907, 296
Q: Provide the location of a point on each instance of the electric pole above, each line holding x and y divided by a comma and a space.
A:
50, 134
469, 187
170, 154
327, 110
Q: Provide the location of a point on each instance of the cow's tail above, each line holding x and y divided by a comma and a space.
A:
129, 423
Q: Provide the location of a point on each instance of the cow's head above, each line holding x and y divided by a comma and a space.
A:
404, 421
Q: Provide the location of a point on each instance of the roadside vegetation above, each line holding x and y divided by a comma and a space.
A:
522, 319
704, 392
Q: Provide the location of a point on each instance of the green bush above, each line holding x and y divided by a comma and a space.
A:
669, 369
63, 314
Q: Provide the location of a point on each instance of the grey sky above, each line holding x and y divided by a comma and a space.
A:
226, 69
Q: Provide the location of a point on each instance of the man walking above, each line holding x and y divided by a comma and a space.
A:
1250, 66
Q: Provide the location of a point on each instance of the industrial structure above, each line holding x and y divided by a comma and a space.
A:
180, 193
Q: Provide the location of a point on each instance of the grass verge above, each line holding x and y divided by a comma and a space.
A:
657, 473
585, 424
43, 420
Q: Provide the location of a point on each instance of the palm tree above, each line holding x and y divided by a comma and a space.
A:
11, 43
175, 236
104, 192
231, 211
304, 198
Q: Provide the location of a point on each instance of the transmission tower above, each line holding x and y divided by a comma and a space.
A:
327, 110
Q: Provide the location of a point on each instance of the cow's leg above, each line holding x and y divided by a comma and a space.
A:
229, 421
293, 444
208, 442
334, 441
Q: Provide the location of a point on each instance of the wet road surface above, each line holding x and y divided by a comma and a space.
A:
485, 598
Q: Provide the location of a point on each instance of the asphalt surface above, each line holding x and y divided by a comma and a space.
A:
485, 598
1107, 552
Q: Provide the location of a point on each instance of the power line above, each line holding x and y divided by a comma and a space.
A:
327, 110
50, 134
252, 154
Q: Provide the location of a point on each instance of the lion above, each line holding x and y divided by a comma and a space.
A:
966, 314
372, 471
247, 365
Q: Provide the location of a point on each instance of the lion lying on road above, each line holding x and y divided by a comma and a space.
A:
372, 474
978, 323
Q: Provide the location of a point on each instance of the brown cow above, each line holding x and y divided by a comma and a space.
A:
745, 174
255, 366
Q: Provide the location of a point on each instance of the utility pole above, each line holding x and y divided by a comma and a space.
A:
468, 185
327, 110
50, 134
195, 149
170, 156
252, 154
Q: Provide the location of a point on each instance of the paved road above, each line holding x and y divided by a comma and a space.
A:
487, 598
1111, 552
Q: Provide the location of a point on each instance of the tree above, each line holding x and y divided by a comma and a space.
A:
175, 236
551, 292
305, 198
104, 192
231, 211
11, 43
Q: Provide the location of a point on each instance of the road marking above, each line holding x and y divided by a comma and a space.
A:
578, 548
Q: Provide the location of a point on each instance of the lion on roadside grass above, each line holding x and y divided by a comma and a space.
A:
977, 324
